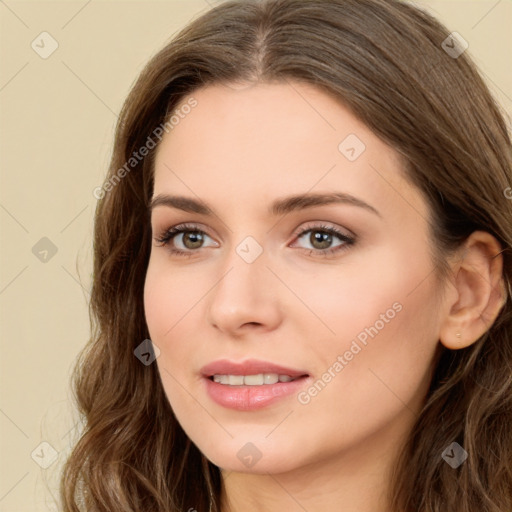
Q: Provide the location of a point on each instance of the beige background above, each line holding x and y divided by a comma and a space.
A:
57, 119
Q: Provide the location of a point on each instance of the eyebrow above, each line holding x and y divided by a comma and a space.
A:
279, 207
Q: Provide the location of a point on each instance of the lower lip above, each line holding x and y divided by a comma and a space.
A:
250, 398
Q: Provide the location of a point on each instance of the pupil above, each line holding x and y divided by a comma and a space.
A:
324, 239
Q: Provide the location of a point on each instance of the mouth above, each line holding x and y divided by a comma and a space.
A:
260, 379
251, 384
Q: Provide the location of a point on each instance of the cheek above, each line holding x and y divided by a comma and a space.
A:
385, 321
168, 296
174, 311
366, 290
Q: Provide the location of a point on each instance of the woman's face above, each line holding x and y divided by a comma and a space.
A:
335, 289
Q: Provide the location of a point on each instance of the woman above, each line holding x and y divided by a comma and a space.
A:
302, 273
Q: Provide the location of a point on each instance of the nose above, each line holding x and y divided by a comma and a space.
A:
245, 298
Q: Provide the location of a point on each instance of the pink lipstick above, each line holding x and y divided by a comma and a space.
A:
251, 384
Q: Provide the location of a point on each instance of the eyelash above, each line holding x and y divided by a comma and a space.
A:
169, 234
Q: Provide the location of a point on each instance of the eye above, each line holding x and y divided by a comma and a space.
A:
187, 239
183, 239
321, 239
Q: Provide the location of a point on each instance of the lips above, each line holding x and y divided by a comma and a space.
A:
249, 367
225, 383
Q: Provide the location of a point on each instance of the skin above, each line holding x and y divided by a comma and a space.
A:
239, 149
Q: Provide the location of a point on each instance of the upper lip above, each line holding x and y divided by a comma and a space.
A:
248, 367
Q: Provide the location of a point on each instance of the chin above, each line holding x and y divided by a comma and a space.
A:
274, 464
257, 457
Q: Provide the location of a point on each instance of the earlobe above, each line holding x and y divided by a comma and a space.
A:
480, 292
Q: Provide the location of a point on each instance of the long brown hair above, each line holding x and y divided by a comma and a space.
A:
383, 59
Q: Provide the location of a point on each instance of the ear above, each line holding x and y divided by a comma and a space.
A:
479, 292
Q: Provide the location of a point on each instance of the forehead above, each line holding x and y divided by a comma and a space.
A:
268, 140
261, 122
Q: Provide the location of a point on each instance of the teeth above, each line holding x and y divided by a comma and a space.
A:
235, 380
254, 380
270, 378
251, 380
